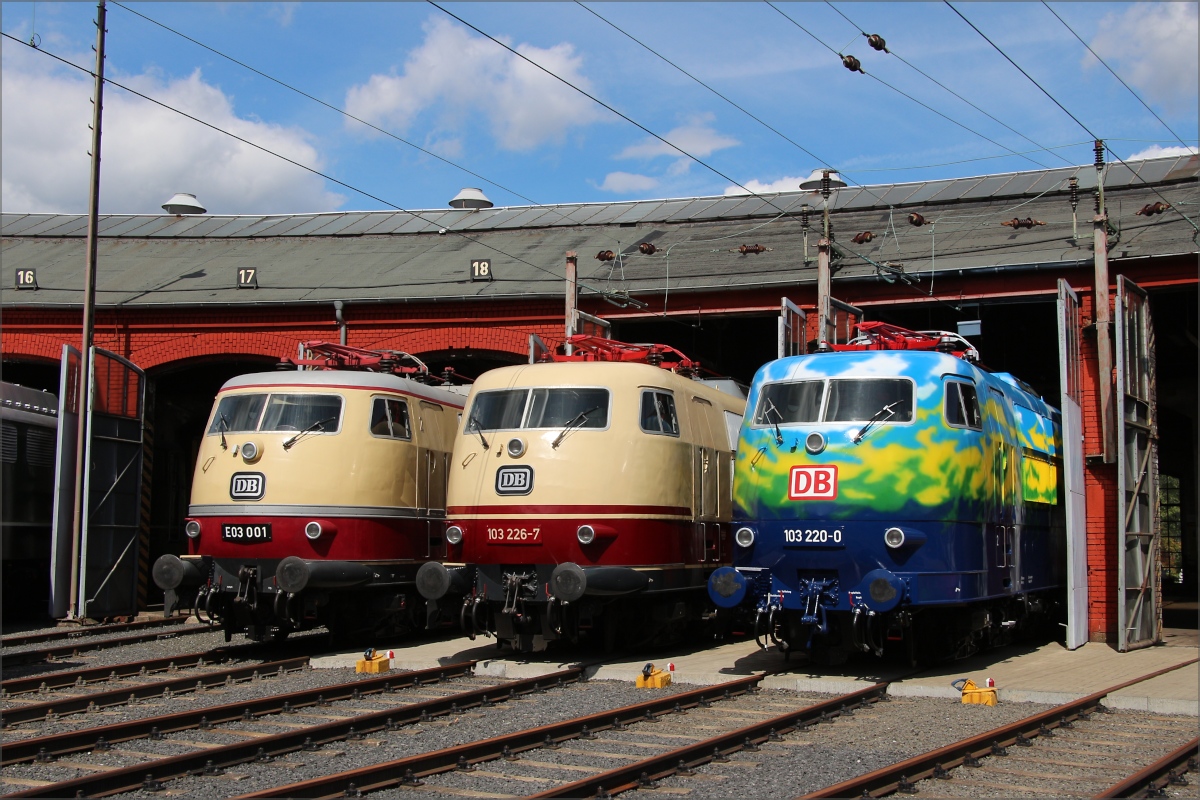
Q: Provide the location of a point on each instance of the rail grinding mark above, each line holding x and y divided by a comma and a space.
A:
65, 634
81, 677
936, 764
409, 771
51, 710
57, 745
44, 654
211, 760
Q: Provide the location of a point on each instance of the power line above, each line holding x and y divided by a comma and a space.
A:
778, 133
898, 91
330, 178
1132, 171
600, 102
951, 91
344, 113
1113, 73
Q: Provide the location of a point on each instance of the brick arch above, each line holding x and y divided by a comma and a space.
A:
511, 341
223, 344
42, 347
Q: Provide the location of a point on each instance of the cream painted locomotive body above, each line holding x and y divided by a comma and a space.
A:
586, 497
317, 496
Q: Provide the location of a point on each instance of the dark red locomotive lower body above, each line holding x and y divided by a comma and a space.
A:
268, 575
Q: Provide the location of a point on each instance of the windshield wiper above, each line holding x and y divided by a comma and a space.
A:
225, 422
887, 410
318, 424
578, 420
474, 420
778, 416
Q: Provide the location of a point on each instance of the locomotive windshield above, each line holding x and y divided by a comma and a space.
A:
839, 400
283, 412
509, 409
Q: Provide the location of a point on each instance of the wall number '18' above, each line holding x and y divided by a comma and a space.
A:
481, 269
247, 277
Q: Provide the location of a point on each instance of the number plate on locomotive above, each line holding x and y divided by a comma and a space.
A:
813, 537
246, 533
514, 535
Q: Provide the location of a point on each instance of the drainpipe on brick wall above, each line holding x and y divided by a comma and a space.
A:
338, 307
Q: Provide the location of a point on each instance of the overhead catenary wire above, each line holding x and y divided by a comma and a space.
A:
893, 53
1054, 100
901, 92
293, 162
1113, 73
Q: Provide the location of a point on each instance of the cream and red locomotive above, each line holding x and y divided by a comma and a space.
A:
589, 496
318, 493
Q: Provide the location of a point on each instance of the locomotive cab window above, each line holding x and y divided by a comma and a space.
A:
786, 403
962, 406
319, 413
658, 413
888, 399
389, 418
511, 409
238, 412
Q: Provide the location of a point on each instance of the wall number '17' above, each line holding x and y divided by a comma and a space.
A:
247, 277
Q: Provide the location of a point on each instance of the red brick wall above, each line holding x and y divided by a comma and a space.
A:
154, 338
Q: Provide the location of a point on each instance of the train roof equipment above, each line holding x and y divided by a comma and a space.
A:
883, 336
321, 355
588, 348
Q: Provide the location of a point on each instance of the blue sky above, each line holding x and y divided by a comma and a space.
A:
415, 72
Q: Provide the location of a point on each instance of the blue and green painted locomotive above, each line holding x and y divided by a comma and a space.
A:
894, 491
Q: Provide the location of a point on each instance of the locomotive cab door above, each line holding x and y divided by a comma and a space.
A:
431, 457
1003, 530
706, 484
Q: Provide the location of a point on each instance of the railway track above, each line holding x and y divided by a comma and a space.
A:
51, 710
87, 644
47, 682
1078, 748
63, 634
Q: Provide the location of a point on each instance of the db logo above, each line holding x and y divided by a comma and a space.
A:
247, 486
813, 483
514, 480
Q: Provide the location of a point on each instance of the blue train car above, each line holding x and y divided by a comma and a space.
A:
894, 491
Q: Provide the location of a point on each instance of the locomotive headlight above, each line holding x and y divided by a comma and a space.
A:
250, 452
814, 443
516, 447
313, 530
744, 537
192, 528
893, 537
586, 534
454, 534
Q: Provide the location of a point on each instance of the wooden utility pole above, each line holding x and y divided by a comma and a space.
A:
572, 297
89, 315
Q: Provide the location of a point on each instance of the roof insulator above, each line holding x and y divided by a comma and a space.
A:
753, 249
1099, 148
605, 255
1074, 193
916, 220
877, 42
647, 249
853, 64
1028, 222
863, 238
1150, 209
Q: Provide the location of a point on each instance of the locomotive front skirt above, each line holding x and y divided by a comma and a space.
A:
903, 496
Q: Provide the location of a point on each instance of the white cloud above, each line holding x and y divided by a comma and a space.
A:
758, 187
472, 83
1153, 47
1158, 151
627, 183
148, 153
696, 137
283, 13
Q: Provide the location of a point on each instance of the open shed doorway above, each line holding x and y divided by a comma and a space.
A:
733, 346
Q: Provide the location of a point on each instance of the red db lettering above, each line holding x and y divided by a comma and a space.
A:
813, 483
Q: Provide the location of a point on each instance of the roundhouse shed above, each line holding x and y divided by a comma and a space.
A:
195, 300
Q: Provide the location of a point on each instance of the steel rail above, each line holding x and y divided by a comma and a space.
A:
91, 738
151, 775
408, 771
642, 774
51, 709
1152, 780
81, 677
21, 639
936, 763
51, 653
